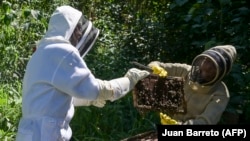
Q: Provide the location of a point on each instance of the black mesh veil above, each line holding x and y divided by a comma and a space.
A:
212, 65
208, 68
89, 36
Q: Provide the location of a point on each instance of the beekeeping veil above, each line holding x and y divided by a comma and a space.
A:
212, 65
62, 26
89, 36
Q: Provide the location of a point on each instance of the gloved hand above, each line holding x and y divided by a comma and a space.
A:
159, 70
119, 87
135, 75
84, 102
166, 120
98, 103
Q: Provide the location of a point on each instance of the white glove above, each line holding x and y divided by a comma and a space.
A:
84, 102
135, 75
117, 88
98, 103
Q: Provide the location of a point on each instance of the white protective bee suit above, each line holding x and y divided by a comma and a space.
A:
57, 79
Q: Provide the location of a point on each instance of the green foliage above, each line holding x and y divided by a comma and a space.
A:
10, 99
143, 31
21, 27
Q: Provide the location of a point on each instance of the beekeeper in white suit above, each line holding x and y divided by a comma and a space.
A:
57, 79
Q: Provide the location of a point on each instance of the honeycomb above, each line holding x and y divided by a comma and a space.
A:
161, 94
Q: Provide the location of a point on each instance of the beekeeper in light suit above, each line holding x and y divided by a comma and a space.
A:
57, 79
206, 95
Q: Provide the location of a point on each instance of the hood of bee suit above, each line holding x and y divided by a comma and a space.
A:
61, 25
220, 59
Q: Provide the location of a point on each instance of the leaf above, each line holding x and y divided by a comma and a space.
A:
35, 13
244, 10
210, 44
26, 12
181, 2
6, 5
3, 101
225, 2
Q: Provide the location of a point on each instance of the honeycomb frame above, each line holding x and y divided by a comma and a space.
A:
161, 94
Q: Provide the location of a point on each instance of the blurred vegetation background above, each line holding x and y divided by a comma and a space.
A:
131, 30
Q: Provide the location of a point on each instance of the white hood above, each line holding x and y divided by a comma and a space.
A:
61, 25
